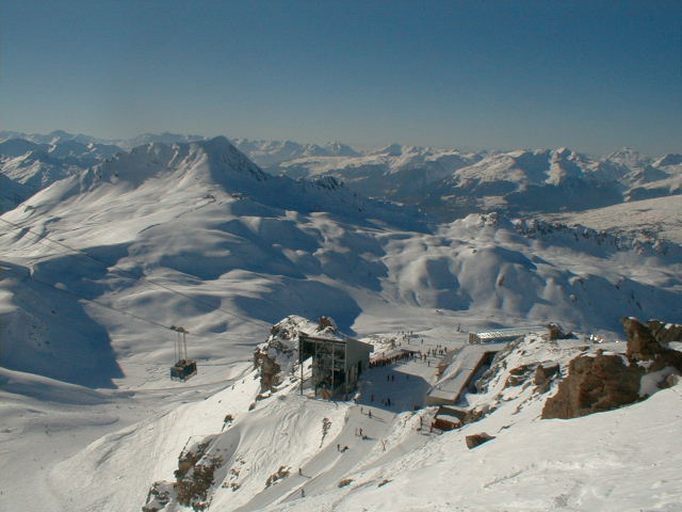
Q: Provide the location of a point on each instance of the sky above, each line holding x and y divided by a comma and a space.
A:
594, 76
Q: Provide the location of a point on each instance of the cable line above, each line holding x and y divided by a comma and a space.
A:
132, 275
112, 308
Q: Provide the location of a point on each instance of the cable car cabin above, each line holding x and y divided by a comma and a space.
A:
183, 369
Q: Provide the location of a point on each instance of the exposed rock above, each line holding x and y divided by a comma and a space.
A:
188, 458
665, 332
594, 384
277, 357
520, 370
160, 494
519, 375
269, 371
672, 380
642, 345
544, 375
193, 481
281, 473
555, 332
604, 382
326, 323
649, 341
193, 489
667, 358
475, 440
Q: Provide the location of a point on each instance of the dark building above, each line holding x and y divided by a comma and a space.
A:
337, 362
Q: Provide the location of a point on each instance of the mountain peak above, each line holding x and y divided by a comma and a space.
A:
394, 149
669, 159
628, 156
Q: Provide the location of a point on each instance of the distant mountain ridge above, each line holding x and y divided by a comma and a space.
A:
444, 183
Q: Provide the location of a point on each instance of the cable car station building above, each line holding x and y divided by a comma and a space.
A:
337, 362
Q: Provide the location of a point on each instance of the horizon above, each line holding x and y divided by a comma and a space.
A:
590, 76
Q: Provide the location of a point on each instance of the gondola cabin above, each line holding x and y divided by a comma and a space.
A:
185, 367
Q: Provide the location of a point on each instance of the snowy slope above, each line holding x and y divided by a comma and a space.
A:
659, 218
618, 460
224, 248
606, 461
236, 247
395, 172
522, 181
99, 265
269, 153
27, 167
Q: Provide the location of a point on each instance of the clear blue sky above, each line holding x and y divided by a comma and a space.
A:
592, 75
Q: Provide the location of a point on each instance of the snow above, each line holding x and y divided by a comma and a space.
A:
98, 265
660, 218
606, 461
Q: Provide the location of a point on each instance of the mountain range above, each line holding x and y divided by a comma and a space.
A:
444, 183
109, 248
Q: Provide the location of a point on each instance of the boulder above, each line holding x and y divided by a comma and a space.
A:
594, 384
475, 440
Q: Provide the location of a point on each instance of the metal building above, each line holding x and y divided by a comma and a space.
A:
337, 362
503, 335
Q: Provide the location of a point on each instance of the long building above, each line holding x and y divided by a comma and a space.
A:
459, 375
503, 335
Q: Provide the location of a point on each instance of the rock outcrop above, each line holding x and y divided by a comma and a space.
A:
642, 345
665, 332
544, 375
277, 356
555, 332
602, 382
649, 343
594, 384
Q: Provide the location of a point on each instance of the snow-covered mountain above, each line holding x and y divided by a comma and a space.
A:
396, 172
57, 137
54, 137
269, 153
101, 263
204, 213
522, 181
544, 181
445, 183
28, 167
450, 183
165, 138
